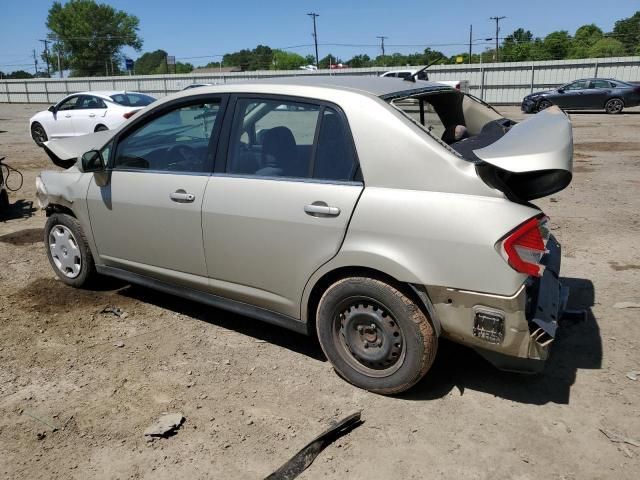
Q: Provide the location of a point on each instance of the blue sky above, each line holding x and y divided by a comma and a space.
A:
200, 28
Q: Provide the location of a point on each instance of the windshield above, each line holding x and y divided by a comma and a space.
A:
132, 99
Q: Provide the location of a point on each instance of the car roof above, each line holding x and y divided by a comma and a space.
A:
382, 87
106, 94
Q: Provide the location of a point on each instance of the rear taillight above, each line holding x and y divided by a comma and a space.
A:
129, 114
525, 247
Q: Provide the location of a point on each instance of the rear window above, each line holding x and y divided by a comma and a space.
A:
132, 99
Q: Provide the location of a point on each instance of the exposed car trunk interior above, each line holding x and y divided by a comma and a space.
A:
475, 131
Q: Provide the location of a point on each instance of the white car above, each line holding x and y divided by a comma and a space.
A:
86, 112
462, 85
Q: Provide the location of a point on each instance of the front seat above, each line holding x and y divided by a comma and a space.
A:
279, 154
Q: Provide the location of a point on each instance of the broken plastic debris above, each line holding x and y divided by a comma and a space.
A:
616, 437
633, 375
165, 426
627, 305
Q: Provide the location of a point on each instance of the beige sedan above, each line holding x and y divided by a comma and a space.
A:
376, 213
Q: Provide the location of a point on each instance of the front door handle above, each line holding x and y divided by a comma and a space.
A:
92, 115
321, 209
181, 196
67, 116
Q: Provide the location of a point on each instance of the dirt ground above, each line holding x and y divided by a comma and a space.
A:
253, 394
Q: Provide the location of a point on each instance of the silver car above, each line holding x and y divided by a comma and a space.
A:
376, 213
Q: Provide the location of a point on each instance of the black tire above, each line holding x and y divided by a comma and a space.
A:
101, 128
614, 106
4, 200
543, 105
375, 336
60, 222
38, 134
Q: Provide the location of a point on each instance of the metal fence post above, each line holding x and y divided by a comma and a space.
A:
533, 76
595, 73
66, 87
26, 90
46, 90
165, 86
481, 83
6, 86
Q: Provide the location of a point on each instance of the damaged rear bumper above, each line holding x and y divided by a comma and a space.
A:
513, 333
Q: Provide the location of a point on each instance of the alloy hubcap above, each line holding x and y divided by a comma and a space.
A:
65, 252
371, 339
615, 106
38, 134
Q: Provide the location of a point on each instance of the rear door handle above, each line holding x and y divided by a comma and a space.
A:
181, 196
321, 209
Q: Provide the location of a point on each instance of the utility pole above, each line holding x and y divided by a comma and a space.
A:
470, 40
35, 61
497, 19
60, 64
315, 36
382, 39
46, 51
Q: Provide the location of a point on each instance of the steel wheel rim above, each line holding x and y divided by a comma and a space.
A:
544, 105
38, 134
65, 251
368, 337
614, 106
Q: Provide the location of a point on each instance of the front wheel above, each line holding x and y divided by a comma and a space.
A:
38, 134
543, 105
375, 336
68, 250
614, 106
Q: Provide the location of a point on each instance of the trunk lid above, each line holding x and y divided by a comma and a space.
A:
532, 159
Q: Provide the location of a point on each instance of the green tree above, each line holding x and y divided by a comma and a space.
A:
360, 61
19, 75
517, 46
183, 67
330, 59
151, 63
287, 60
557, 45
627, 32
585, 37
607, 47
90, 36
310, 60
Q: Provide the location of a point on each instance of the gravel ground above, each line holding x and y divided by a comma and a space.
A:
253, 394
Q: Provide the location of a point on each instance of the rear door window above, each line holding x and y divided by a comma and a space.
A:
273, 138
600, 84
132, 99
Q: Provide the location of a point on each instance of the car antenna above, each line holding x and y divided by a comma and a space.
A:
412, 78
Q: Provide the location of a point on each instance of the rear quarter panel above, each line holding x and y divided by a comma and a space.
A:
432, 239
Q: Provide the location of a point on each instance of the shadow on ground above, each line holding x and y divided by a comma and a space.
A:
244, 325
19, 209
578, 345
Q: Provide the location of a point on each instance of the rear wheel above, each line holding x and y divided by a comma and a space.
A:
543, 105
376, 337
614, 106
68, 250
101, 128
38, 134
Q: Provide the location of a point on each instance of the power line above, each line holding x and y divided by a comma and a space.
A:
315, 35
497, 19
382, 39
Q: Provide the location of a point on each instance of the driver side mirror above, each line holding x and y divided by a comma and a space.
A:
52, 109
561, 90
92, 161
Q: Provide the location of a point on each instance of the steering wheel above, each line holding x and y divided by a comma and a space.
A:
187, 158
